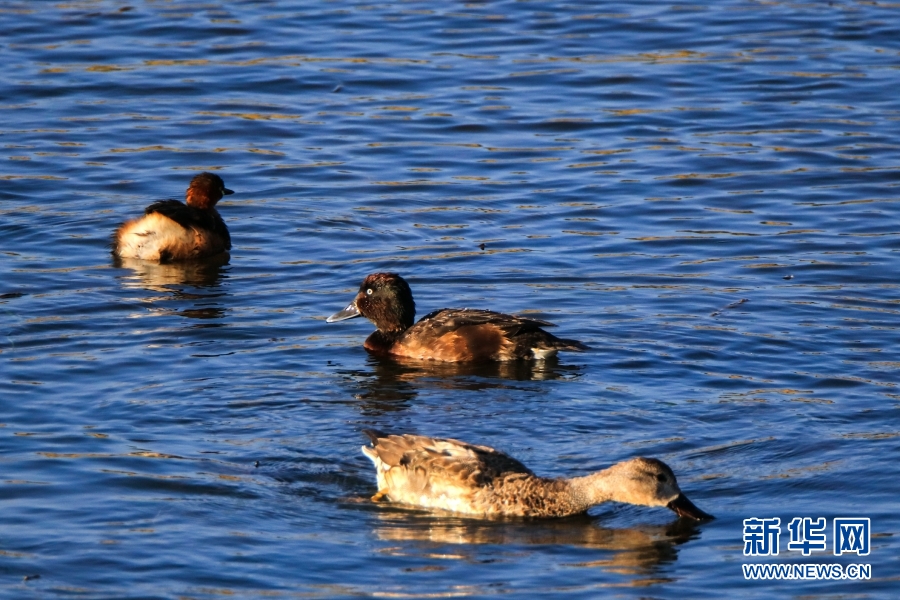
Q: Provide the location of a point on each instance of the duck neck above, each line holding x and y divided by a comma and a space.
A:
382, 341
392, 317
200, 200
391, 324
596, 488
394, 331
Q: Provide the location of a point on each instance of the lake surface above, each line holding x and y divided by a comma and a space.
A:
706, 194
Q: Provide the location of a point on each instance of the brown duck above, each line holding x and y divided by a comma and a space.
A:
448, 334
171, 230
478, 480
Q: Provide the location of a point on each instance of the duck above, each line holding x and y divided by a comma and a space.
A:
171, 230
479, 481
447, 334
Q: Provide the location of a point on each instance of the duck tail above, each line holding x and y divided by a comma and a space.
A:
374, 435
571, 345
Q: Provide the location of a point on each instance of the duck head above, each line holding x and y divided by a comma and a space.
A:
646, 482
205, 190
383, 298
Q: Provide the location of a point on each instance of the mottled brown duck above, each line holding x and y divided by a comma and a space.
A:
456, 476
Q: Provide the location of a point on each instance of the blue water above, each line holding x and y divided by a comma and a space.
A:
704, 193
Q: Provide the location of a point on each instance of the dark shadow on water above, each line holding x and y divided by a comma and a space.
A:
638, 550
390, 385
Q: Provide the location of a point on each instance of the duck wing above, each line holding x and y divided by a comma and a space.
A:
460, 335
445, 320
431, 463
179, 212
191, 218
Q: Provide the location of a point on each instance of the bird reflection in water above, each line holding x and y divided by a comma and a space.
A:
638, 550
391, 384
171, 279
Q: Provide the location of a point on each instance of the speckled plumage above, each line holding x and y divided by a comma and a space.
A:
452, 475
448, 334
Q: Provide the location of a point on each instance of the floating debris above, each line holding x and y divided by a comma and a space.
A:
732, 305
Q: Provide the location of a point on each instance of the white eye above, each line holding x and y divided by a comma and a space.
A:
369, 291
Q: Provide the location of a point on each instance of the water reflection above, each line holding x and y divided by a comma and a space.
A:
158, 276
636, 550
390, 384
171, 278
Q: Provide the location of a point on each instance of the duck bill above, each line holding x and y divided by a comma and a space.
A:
685, 508
227, 192
350, 312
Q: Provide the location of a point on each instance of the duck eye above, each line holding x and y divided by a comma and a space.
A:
660, 478
369, 291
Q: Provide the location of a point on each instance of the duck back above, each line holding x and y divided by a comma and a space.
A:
171, 230
460, 335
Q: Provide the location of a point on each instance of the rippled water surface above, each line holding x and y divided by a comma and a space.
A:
706, 194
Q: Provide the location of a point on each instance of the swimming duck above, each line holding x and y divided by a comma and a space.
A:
448, 334
171, 230
475, 480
